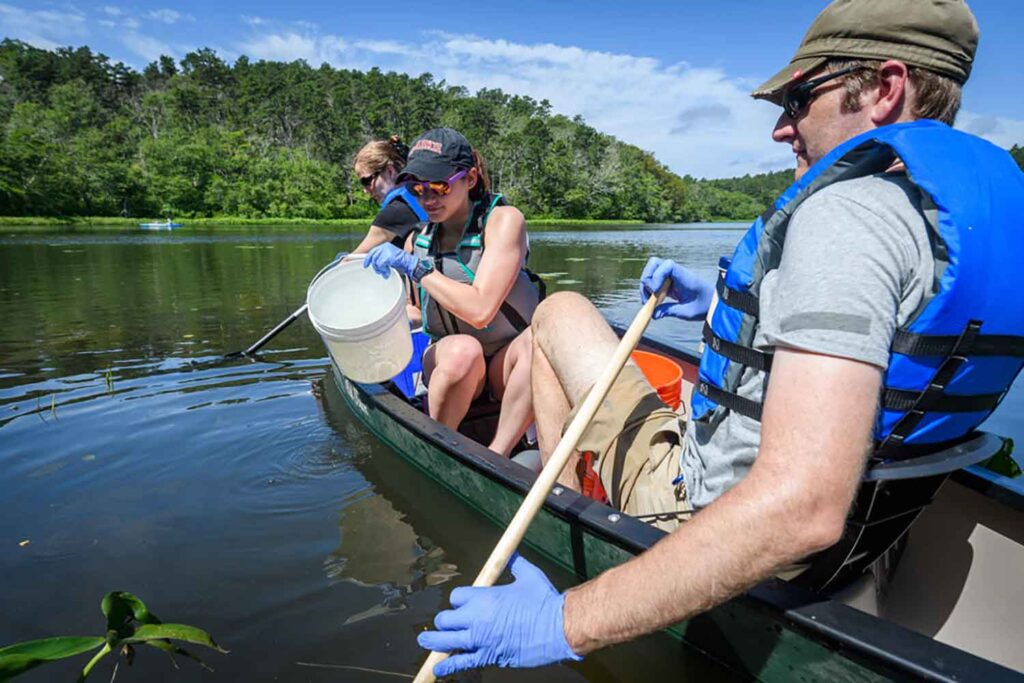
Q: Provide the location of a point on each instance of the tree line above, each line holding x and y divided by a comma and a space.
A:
81, 135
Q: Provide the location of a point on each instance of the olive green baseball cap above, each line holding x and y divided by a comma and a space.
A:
938, 35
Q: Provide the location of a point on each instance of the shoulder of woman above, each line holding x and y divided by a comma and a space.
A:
508, 216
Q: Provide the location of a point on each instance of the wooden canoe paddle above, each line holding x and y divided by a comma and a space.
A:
340, 256
513, 535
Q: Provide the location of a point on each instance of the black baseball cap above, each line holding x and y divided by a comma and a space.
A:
437, 155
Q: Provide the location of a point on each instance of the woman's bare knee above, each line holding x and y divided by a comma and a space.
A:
459, 356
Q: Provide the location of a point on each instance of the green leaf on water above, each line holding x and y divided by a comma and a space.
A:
182, 632
120, 608
1003, 462
20, 657
129, 621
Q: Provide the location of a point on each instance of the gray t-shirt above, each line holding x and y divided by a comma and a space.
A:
857, 264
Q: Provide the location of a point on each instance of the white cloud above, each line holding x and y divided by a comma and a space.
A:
1000, 130
385, 47
113, 11
291, 46
167, 16
46, 29
146, 47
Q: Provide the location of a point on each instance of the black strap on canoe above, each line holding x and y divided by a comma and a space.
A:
733, 298
910, 344
743, 355
930, 396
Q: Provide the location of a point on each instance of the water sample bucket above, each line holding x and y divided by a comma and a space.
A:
361, 317
664, 374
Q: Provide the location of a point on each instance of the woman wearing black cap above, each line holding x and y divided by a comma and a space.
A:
377, 166
476, 296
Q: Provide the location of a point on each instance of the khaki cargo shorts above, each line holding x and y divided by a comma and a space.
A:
636, 441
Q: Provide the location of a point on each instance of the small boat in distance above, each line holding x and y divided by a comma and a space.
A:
160, 226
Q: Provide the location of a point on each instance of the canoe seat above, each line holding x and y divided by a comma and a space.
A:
890, 499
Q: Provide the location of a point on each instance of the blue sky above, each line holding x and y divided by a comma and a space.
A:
670, 77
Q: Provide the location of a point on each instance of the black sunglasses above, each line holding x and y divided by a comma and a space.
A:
367, 180
799, 96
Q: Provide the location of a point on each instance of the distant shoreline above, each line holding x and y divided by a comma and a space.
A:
8, 222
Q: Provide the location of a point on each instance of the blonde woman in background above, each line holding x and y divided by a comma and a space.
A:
377, 166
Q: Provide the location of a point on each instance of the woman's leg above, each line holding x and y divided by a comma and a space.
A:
509, 374
455, 372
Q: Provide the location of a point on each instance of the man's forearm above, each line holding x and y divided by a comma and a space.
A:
815, 435
741, 539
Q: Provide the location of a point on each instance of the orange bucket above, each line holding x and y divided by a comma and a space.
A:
662, 373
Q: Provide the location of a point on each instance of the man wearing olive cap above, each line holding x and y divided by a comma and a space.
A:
863, 295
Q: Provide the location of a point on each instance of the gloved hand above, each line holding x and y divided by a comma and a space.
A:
515, 625
691, 293
383, 257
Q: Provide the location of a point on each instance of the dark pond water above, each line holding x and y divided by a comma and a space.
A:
241, 496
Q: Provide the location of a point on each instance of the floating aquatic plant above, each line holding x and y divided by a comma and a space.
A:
129, 623
1003, 461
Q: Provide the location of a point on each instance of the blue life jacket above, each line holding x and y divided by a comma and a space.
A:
953, 361
408, 197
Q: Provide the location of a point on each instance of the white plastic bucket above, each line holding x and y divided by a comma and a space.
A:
361, 317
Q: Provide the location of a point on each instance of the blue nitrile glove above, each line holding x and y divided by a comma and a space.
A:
515, 625
383, 257
691, 293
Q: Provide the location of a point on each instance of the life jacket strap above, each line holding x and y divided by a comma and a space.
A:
734, 298
899, 400
736, 352
734, 402
910, 344
517, 321
930, 395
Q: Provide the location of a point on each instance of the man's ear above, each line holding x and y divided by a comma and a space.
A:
889, 101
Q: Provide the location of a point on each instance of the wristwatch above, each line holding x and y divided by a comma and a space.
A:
423, 268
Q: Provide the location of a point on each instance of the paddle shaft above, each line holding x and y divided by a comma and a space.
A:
273, 333
290, 319
513, 535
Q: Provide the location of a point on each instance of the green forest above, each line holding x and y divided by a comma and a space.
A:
1017, 152
81, 135
84, 136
